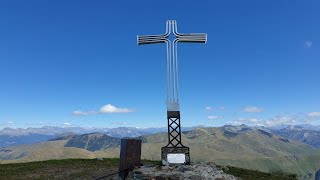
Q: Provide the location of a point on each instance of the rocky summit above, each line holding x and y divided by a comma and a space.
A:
196, 171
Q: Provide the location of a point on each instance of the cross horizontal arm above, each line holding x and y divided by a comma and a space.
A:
152, 39
195, 38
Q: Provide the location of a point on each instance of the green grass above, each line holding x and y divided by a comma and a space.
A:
24, 167
63, 169
94, 168
257, 175
59, 169
251, 150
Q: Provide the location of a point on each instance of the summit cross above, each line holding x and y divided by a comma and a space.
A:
175, 152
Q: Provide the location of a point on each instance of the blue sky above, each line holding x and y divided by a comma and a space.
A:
77, 63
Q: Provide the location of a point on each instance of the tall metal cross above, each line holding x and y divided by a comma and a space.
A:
175, 148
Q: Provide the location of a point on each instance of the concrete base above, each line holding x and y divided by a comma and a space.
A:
175, 152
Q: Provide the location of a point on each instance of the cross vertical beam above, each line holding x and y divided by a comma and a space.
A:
175, 145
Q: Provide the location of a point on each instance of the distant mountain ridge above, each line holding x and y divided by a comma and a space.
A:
241, 146
301, 134
308, 134
300, 126
50, 130
10, 136
8, 140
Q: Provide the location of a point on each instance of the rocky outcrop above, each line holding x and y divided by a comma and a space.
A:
197, 171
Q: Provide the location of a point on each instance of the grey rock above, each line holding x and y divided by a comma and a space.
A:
196, 177
205, 174
180, 169
164, 162
196, 171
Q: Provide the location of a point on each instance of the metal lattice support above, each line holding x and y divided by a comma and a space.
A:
174, 145
174, 129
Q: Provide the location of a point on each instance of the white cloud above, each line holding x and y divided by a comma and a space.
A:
214, 117
308, 44
106, 109
314, 114
80, 113
248, 121
67, 124
274, 121
109, 108
120, 123
281, 120
41, 123
8, 123
253, 109
208, 108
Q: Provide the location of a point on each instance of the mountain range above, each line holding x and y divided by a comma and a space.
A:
10, 136
310, 137
308, 134
241, 146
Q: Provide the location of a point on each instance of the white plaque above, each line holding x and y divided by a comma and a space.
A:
176, 158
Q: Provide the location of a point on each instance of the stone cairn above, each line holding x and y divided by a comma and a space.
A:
195, 171
130, 167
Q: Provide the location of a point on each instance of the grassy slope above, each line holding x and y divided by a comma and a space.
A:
60, 169
251, 151
91, 169
51, 150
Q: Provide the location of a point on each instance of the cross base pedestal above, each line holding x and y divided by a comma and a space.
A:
175, 155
